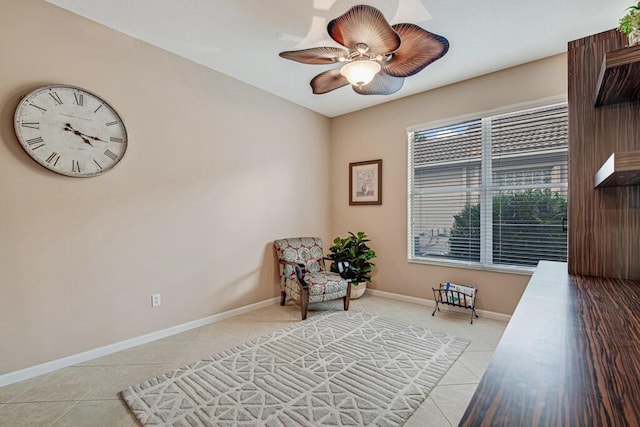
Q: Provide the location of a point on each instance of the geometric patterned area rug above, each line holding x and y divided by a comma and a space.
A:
341, 368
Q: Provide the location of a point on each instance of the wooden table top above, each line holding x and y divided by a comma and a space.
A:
570, 356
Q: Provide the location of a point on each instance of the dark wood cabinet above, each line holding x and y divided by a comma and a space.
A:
619, 82
604, 223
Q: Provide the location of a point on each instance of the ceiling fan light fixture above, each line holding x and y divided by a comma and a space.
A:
360, 72
375, 57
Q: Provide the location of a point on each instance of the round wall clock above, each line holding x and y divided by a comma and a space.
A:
70, 130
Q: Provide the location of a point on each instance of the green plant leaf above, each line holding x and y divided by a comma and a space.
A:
631, 21
356, 252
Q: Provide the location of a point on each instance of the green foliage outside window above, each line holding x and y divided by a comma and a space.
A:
527, 228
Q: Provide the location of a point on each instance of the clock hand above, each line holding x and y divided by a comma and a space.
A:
83, 134
80, 134
86, 141
95, 137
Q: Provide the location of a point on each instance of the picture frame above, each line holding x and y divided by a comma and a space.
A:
365, 182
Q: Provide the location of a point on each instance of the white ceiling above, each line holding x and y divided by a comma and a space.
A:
242, 38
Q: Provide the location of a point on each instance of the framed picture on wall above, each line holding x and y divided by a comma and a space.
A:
365, 183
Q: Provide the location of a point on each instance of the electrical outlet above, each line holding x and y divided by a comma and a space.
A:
155, 300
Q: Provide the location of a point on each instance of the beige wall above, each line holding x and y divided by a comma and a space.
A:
380, 133
211, 177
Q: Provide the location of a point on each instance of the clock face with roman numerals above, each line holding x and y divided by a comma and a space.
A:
70, 131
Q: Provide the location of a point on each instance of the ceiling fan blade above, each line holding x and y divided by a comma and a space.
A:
382, 84
328, 81
419, 48
364, 24
316, 55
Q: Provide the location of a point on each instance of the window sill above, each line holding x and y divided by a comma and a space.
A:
526, 271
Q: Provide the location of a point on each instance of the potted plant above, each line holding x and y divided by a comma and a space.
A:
630, 24
351, 259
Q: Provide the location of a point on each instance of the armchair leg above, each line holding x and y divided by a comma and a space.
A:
304, 302
347, 298
283, 297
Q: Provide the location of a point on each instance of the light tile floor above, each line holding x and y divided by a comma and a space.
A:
87, 394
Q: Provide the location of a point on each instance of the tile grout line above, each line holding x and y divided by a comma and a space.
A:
27, 389
445, 414
47, 401
64, 413
446, 385
472, 373
77, 401
82, 399
439, 408
113, 374
483, 371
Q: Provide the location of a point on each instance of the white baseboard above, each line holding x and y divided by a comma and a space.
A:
430, 303
33, 371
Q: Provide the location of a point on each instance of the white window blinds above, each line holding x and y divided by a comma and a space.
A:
491, 191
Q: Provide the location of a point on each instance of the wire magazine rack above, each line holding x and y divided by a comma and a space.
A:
457, 296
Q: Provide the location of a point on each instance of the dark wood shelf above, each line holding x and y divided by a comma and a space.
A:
570, 356
619, 169
619, 79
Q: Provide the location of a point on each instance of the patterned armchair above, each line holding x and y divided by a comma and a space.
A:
304, 276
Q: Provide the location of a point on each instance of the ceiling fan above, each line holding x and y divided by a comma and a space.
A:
378, 56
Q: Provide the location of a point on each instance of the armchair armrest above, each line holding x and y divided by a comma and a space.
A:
300, 269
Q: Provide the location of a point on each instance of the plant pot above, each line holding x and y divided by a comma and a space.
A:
634, 37
357, 290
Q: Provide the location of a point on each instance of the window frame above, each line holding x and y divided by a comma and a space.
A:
486, 217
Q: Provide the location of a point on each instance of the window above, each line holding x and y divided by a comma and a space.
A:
492, 191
